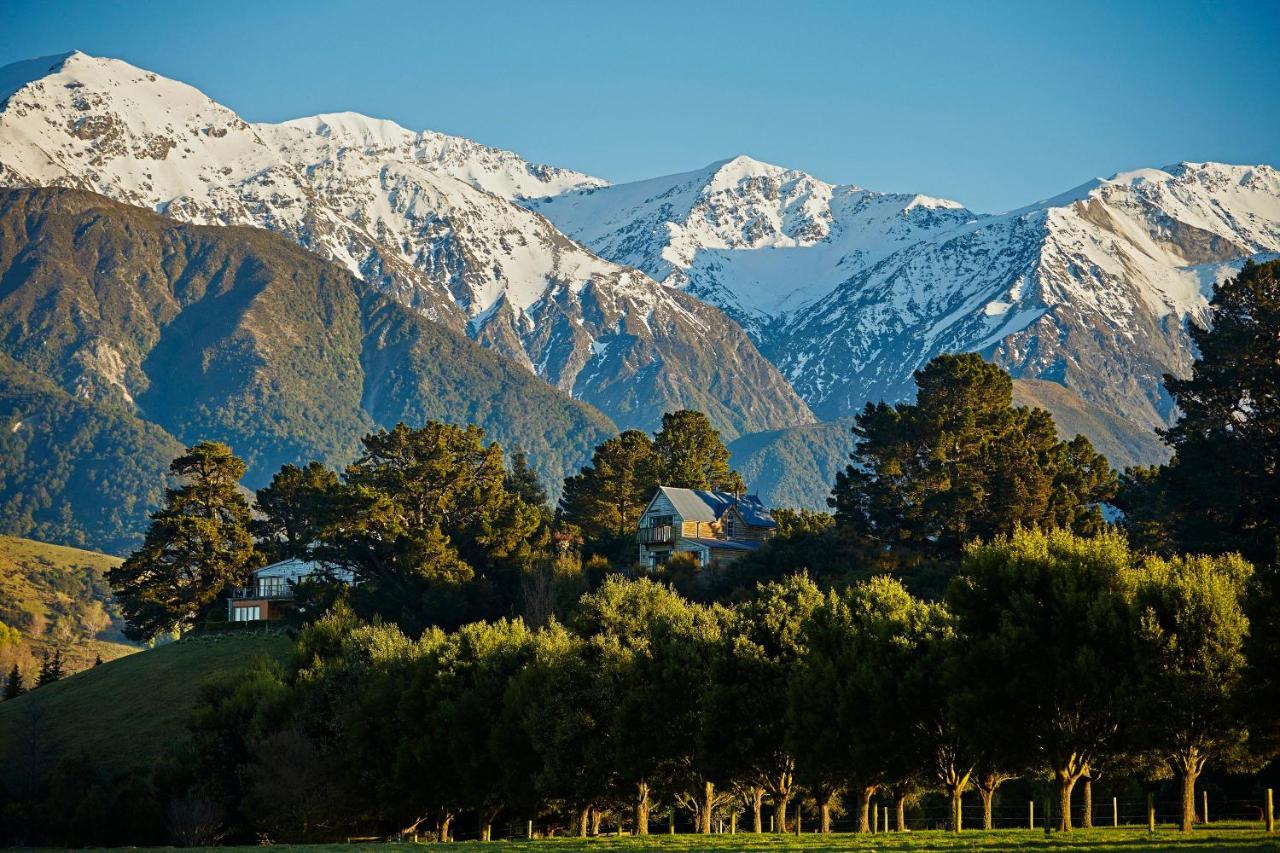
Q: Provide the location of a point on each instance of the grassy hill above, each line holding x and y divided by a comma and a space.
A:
56, 597
123, 714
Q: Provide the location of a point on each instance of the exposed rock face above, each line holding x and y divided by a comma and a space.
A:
424, 218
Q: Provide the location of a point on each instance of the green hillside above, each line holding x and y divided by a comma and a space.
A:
56, 597
124, 714
124, 334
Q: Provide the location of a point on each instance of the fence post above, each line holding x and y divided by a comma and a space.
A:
771, 823
1115, 812
1271, 814
875, 818
529, 830
886, 818
1031, 814
671, 821
1151, 813
733, 824
1204, 795
1048, 815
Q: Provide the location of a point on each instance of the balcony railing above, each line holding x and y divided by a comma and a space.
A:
663, 534
265, 593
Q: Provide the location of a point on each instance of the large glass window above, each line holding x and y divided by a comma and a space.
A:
248, 614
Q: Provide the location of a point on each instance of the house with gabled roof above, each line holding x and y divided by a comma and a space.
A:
716, 527
272, 588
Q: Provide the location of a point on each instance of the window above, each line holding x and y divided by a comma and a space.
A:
661, 520
248, 614
271, 587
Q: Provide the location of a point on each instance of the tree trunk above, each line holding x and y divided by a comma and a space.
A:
957, 819
1066, 782
987, 797
757, 806
596, 817
442, 833
642, 808
864, 816
824, 815
1086, 817
1188, 799
780, 813
708, 800
584, 818
900, 806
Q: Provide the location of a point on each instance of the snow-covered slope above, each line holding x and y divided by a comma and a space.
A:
849, 291
424, 217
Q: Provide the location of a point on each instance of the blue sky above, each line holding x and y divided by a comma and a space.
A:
993, 104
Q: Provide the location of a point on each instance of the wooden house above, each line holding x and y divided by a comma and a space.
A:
716, 527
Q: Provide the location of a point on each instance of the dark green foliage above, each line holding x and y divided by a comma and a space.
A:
293, 509
197, 548
13, 684
1221, 491
523, 481
72, 471
606, 498
425, 521
689, 454
962, 463
50, 669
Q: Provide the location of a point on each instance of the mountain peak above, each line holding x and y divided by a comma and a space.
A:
354, 128
18, 74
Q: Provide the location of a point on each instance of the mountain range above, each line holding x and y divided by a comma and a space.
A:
776, 302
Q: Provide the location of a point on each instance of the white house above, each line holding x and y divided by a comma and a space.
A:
271, 588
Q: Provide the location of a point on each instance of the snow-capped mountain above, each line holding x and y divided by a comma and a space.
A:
849, 290
426, 218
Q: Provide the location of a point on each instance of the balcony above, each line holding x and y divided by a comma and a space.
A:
262, 593
663, 534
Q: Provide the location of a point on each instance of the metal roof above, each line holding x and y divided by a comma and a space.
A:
724, 544
706, 505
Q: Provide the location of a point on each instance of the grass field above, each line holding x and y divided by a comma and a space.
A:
58, 597
1220, 837
124, 713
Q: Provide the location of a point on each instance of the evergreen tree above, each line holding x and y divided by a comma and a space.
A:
97, 660
1221, 491
523, 481
50, 669
294, 509
606, 498
13, 684
963, 463
690, 454
422, 513
197, 547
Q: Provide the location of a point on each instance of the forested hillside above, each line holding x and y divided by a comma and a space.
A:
56, 598
132, 332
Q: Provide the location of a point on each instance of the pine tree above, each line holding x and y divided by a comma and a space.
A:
97, 660
606, 497
523, 481
962, 463
1221, 491
689, 454
197, 547
50, 669
13, 685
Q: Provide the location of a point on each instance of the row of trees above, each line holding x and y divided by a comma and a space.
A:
1052, 654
